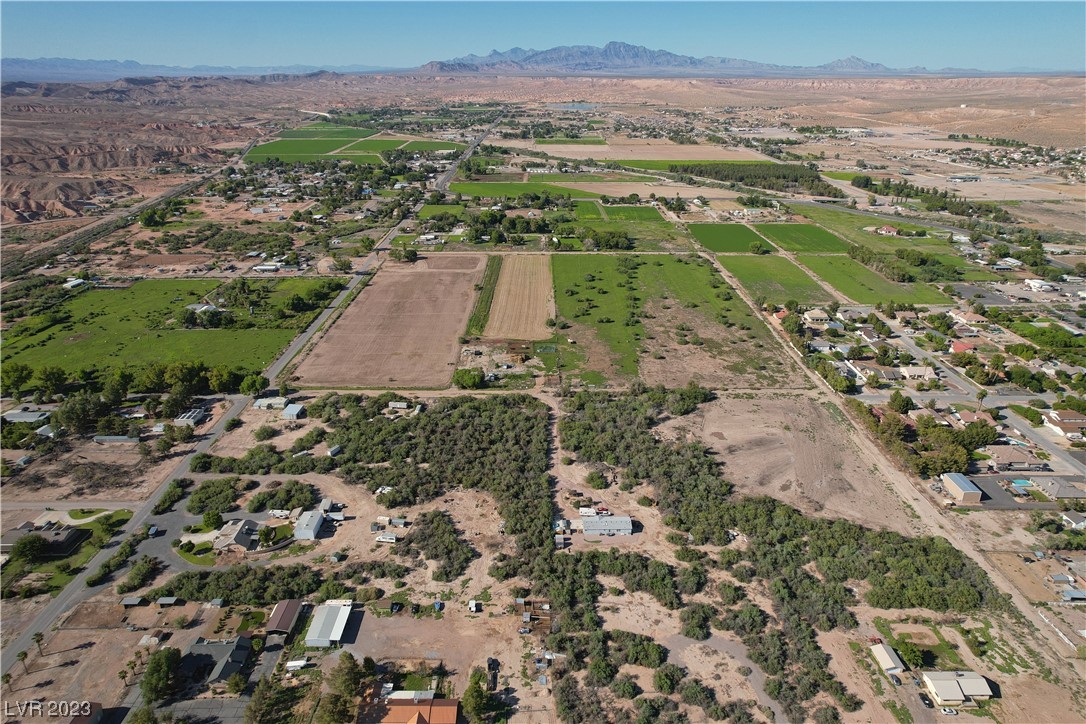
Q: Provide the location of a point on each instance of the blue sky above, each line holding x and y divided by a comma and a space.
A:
984, 35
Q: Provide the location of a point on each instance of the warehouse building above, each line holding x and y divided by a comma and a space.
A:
326, 628
607, 525
887, 659
961, 488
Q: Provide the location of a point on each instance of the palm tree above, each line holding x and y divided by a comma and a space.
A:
22, 657
38, 637
5, 679
123, 676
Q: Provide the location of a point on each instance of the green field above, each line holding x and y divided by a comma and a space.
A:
632, 213
589, 141
775, 278
725, 237
850, 226
431, 210
480, 313
114, 327
864, 286
587, 210
296, 149
433, 146
665, 164
513, 190
841, 175
802, 237
370, 145
327, 132
359, 158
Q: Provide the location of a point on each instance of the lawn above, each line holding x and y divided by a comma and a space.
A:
434, 146
587, 210
775, 278
632, 213
864, 286
108, 327
431, 210
513, 190
369, 145
201, 555
841, 175
802, 237
665, 164
724, 237
587, 141
327, 132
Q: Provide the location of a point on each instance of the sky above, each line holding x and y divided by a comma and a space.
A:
982, 35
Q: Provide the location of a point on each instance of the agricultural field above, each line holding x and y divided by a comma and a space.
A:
663, 164
514, 189
586, 141
632, 213
667, 319
775, 278
725, 238
659, 235
430, 210
402, 330
587, 210
137, 325
297, 149
802, 238
370, 145
864, 286
851, 227
433, 146
841, 175
523, 300
327, 131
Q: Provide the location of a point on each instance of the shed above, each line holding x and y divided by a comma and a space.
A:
26, 416
398, 522
192, 417
335, 450
887, 658
327, 626
293, 411
308, 525
961, 488
284, 616
270, 403
167, 601
133, 601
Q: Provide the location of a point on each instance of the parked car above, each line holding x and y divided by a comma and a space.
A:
895, 679
949, 712
524, 630
926, 701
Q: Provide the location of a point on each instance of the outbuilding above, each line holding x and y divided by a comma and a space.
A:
293, 411
607, 525
327, 626
308, 525
887, 659
961, 488
284, 616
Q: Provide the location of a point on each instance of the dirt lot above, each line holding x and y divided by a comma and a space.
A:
1030, 579
631, 149
402, 330
523, 299
645, 189
793, 447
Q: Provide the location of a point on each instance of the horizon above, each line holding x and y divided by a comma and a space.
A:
986, 36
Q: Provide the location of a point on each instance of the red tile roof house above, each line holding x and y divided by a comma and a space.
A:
959, 346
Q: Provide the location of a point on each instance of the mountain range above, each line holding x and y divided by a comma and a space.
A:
613, 59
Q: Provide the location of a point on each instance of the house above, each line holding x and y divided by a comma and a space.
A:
919, 372
966, 317
284, 616
886, 374
956, 688
308, 525
821, 346
1013, 457
1009, 263
215, 661
270, 403
961, 488
1063, 428
60, 539
417, 710
192, 417
326, 628
957, 346
74, 283
904, 315
293, 411
237, 535
964, 330
26, 416
1057, 489
1074, 520
815, 316
608, 525
868, 334
850, 315
969, 416
886, 231
887, 658
398, 405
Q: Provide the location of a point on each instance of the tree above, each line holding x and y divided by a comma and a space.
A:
13, 376
38, 637
900, 403
50, 379
757, 247
666, 678
253, 385
22, 658
333, 709
475, 702
341, 264
213, 520
159, 679
981, 394
235, 683
911, 654
123, 676
470, 378
30, 548
346, 676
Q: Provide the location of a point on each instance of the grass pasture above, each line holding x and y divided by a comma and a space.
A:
513, 190
370, 145
113, 327
850, 227
632, 213
802, 238
433, 146
296, 149
430, 210
864, 286
776, 278
327, 132
587, 210
724, 238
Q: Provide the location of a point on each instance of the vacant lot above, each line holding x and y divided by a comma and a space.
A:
587, 141
802, 237
864, 286
666, 164
724, 237
107, 327
402, 329
775, 278
524, 299
632, 213
513, 190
